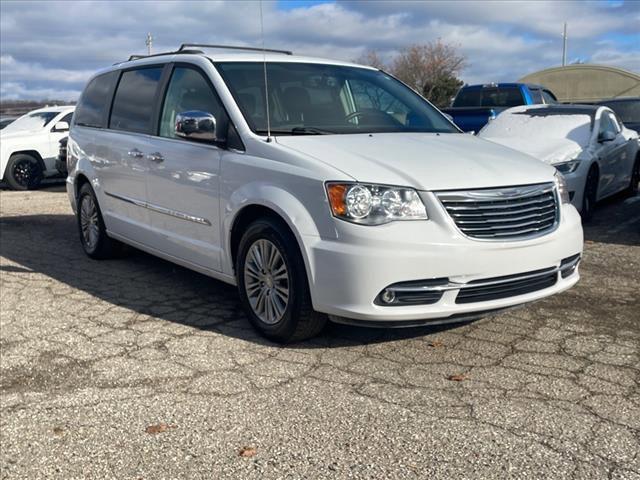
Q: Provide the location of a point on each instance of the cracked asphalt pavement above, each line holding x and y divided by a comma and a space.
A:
136, 368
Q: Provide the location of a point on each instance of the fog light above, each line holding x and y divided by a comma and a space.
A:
388, 296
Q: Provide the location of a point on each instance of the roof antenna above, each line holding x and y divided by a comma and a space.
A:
266, 85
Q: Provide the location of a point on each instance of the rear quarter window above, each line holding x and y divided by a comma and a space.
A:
468, 98
502, 97
549, 97
489, 97
93, 107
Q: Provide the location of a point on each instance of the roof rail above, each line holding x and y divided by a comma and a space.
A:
185, 46
192, 48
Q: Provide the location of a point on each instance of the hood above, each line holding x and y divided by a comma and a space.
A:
425, 161
551, 151
15, 134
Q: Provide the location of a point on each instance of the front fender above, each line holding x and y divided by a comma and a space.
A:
4, 159
282, 202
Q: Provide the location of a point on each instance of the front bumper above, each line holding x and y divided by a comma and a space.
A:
61, 166
71, 193
348, 274
575, 185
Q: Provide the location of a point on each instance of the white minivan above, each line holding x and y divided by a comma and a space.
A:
322, 189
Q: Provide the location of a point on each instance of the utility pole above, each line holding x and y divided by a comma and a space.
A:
564, 45
149, 41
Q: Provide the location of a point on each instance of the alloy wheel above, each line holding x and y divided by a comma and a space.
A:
266, 280
24, 172
89, 222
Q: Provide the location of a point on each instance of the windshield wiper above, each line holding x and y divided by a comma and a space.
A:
310, 131
297, 131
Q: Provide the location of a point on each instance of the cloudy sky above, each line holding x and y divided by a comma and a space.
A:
49, 49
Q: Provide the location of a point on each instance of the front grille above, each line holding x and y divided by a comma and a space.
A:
508, 286
503, 213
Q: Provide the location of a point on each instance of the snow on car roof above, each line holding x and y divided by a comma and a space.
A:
546, 111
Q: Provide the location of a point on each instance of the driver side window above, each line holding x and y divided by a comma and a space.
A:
367, 96
188, 90
67, 118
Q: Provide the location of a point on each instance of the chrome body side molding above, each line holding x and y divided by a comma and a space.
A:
159, 209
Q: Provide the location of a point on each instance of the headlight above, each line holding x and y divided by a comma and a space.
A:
374, 204
561, 185
567, 167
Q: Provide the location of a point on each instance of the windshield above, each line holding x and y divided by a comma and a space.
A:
31, 121
311, 99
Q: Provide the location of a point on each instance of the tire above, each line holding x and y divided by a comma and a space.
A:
590, 195
279, 316
93, 234
632, 189
23, 172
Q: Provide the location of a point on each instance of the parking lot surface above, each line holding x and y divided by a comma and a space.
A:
136, 368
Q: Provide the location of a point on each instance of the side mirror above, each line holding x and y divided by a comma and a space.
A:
61, 127
196, 125
606, 136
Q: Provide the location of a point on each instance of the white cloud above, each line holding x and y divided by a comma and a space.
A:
57, 45
13, 70
18, 91
617, 58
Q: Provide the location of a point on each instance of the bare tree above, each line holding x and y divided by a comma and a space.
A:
431, 69
371, 59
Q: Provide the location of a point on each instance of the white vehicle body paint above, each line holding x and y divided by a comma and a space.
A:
184, 208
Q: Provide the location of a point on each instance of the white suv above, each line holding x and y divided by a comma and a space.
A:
342, 192
29, 146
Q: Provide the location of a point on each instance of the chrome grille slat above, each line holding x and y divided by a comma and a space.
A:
512, 193
505, 220
505, 290
503, 213
495, 205
543, 221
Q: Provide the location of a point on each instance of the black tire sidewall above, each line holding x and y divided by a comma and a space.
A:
35, 181
86, 190
592, 177
298, 289
633, 184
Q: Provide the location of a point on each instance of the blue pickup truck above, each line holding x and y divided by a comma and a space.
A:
475, 105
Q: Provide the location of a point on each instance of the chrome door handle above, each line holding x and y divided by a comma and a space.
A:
156, 157
135, 153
